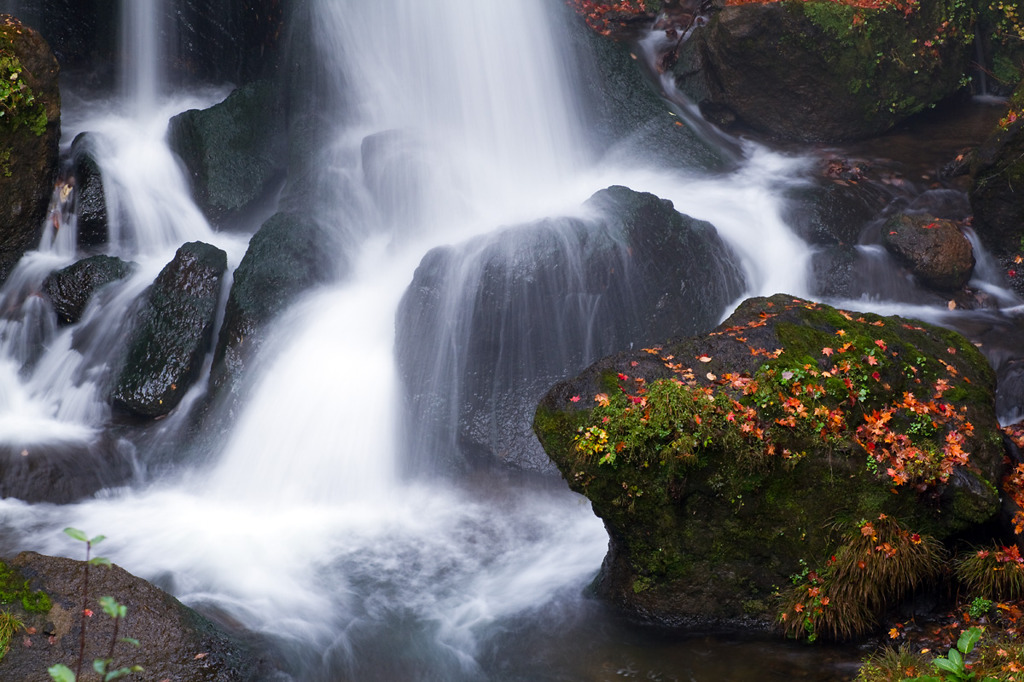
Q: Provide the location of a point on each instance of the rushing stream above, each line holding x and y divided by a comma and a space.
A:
304, 525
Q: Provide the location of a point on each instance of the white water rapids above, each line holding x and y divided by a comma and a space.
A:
303, 527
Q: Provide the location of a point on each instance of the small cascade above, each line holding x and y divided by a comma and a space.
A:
143, 54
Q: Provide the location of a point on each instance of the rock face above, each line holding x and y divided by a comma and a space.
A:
728, 459
934, 250
175, 642
285, 258
90, 199
70, 288
628, 117
516, 311
173, 332
997, 173
821, 71
234, 150
29, 135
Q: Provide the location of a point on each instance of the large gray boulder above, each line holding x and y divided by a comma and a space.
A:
487, 326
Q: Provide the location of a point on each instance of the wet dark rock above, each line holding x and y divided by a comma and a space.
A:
173, 332
234, 151
71, 288
90, 200
29, 137
935, 250
285, 258
834, 272
214, 41
61, 472
836, 203
624, 110
997, 174
516, 311
175, 642
705, 520
803, 71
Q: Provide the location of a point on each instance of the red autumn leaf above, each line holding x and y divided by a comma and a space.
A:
575, 399
881, 344
826, 351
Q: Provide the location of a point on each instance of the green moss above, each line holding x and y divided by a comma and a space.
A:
14, 589
832, 17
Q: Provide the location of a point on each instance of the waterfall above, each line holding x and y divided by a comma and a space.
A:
440, 121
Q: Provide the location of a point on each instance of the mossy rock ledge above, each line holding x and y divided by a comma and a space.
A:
824, 71
723, 464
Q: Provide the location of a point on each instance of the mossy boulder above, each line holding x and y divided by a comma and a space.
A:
719, 463
70, 289
824, 71
235, 151
29, 137
173, 332
175, 642
515, 311
997, 174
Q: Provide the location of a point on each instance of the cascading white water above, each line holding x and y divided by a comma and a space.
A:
143, 53
303, 527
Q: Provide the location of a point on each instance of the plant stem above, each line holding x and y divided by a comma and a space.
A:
85, 605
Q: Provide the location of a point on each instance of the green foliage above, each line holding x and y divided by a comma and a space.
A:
980, 607
953, 666
110, 606
18, 104
820, 394
61, 673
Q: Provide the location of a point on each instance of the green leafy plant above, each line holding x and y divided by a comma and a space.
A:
110, 606
953, 666
980, 607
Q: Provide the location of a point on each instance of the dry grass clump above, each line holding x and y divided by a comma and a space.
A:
877, 565
996, 574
